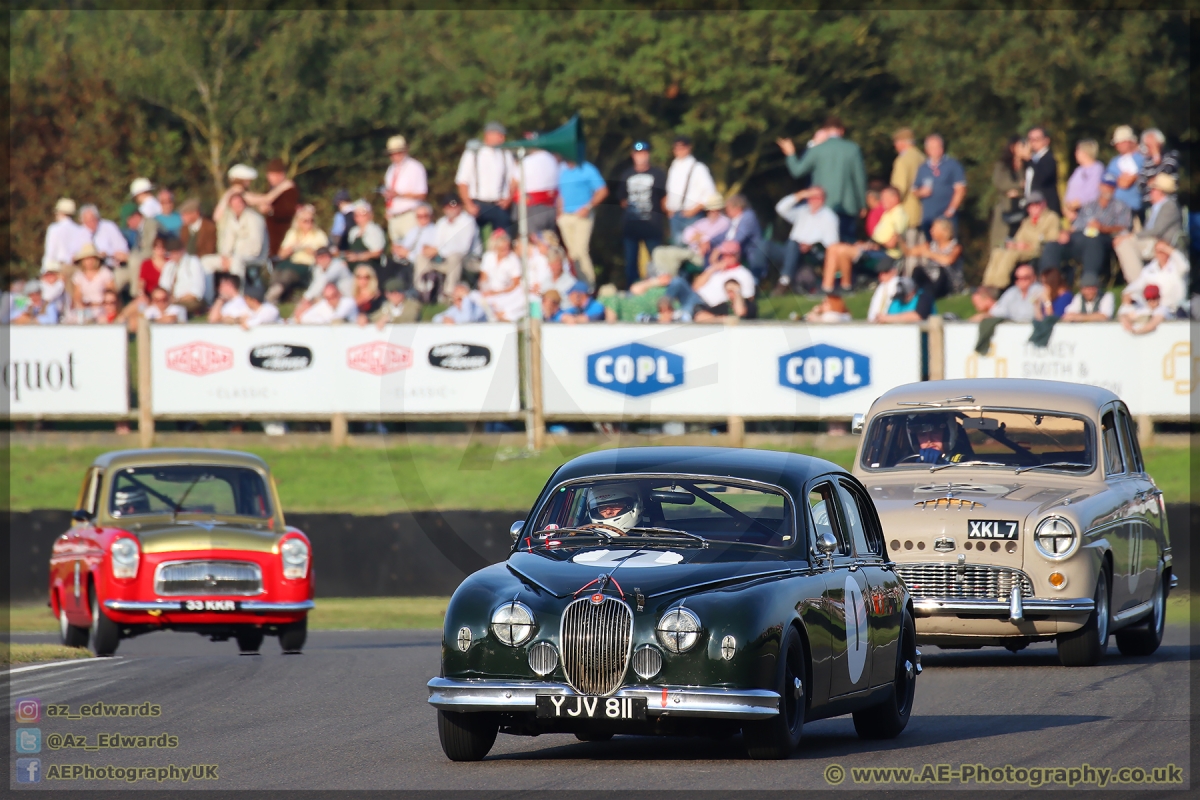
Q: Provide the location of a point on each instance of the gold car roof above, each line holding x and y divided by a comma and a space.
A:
181, 455
1051, 396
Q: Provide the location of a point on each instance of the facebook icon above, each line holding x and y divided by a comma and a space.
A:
29, 770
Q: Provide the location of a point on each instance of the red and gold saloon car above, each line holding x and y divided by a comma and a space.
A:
185, 540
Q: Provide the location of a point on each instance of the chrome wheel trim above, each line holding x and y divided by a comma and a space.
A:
63, 624
1160, 610
1102, 609
794, 705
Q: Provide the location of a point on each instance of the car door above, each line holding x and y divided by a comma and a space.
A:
1121, 488
73, 563
1145, 521
883, 586
845, 595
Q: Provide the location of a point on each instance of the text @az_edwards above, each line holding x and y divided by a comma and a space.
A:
111, 741
980, 774
171, 773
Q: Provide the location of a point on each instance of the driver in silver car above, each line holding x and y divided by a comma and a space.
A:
936, 439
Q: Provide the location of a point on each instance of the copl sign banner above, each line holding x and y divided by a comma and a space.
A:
79, 370
824, 370
635, 370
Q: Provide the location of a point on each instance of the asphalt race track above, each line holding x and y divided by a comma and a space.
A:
351, 713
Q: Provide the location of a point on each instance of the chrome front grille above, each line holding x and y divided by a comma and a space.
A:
208, 577
596, 640
972, 581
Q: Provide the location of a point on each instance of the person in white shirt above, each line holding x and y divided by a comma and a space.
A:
1144, 314
707, 292
333, 308
184, 277
541, 190
261, 312
552, 273
689, 185
814, 230
241, 237
487, 178
1168, 270
142, 192
453, 237
367, 240
229, 306
421, 235
405, 187
162, 310
889, 279
61, 238
1090, 305
106, 237
326, 269
500, 279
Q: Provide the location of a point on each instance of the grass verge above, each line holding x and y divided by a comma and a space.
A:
15, 654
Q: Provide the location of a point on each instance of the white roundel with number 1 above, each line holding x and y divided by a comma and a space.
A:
856, 629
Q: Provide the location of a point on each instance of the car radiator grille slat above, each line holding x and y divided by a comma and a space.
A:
596, 639
208, 578
971, 581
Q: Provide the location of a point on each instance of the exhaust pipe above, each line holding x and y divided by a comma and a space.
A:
1016, 610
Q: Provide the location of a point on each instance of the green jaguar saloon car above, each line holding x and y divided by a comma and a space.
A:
682, 591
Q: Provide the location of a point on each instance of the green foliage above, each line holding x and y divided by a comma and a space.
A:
102, 96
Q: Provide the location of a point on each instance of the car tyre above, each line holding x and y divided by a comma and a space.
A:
71, 635
106, 634
886, 720
250, 640
467, 736
778, 737
292, 636
1086, 646
1145, 637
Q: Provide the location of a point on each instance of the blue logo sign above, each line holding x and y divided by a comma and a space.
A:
29, 770
29, 740
635, 369
823, 370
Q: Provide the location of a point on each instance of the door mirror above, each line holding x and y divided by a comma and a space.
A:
827, 544
856, 424
514, 530
80, 515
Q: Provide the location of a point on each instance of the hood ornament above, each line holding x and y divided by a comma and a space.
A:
943, 544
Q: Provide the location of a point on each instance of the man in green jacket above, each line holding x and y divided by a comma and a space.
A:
836, 165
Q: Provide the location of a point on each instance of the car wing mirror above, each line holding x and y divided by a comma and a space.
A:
856, 424
515, 529
827, 545
80, 515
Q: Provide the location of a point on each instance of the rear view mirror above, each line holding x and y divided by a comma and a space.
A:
856, 424
514, 530
980, 424
673, 497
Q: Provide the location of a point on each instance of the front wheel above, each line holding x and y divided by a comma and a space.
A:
1086, 646
1144, 639
249, 641
467, 736
887, 719
777, 737
106, 635
293, 635
71, 635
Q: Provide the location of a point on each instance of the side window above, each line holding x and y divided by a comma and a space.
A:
859, 520
822, 504
1114, 463
1133, 450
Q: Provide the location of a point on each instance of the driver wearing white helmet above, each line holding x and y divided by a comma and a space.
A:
616, 508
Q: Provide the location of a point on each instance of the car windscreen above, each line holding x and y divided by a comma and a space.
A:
991, 437
189, 489
718, 510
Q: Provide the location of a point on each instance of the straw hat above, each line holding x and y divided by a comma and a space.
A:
140, 186
87, 251
242, 172
1124, 133
397, 144
65, 205
1164, 183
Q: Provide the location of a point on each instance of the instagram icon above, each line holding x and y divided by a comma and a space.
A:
29, 709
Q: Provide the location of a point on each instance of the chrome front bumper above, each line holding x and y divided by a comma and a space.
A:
676, 701
252, 606
952, 607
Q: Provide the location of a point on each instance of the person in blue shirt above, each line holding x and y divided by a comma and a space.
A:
941, 184
745, 229
909, 303
1126, 166
580, 190
169, 219
581, 307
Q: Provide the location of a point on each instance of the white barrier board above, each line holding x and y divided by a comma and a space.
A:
748, 370
298, 369
67, 370
1154, 374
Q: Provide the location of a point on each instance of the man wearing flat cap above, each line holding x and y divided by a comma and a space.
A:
405, 187
278, 206
1163, 221
487, 179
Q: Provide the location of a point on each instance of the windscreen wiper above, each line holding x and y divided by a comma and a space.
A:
1019, 470
669, 532
937, 467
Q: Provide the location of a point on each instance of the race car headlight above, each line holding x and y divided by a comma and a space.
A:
125, 557
1055, 537
512, 623
295, 558
678, 630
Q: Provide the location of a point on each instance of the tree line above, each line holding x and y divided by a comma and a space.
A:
100, 97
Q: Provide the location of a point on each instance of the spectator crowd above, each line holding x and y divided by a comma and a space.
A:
691, 254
